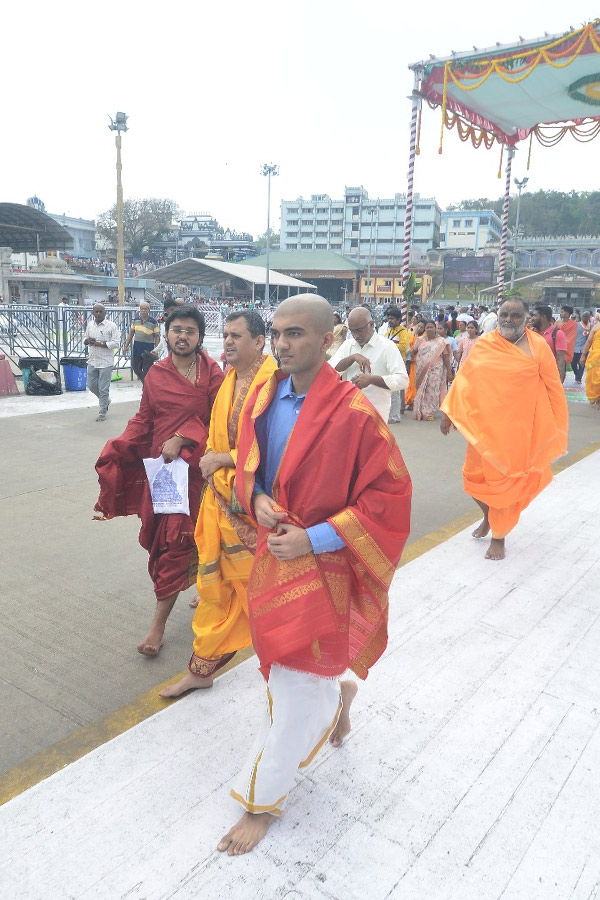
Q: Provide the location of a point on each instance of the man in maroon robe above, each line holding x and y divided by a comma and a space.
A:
172, 421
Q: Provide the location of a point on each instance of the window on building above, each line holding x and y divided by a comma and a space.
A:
456, 223
354, 243
321, 234
293, 222
306, 246
291, 234
321, 246
468, 223
484, 221
337, 209
292, 212
336, 246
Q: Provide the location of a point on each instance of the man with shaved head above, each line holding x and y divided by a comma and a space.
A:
371, 362
324, 481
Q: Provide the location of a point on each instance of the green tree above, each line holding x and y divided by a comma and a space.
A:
144, 222
261, 242
552, 213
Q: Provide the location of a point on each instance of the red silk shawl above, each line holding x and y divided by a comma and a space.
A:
169, 403
328, 612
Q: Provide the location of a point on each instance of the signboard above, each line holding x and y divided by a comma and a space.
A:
469, 269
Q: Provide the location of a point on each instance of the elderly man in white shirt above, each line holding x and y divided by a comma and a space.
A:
102, 337
371, 362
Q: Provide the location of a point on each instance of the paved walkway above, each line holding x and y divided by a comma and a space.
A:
471, 771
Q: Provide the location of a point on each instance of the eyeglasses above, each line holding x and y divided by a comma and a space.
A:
189, 332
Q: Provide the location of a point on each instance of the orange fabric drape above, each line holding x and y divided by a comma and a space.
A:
512, 410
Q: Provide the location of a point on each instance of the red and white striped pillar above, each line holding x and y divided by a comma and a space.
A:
504, 237
408, 217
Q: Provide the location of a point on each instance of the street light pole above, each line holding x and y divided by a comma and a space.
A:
370, 213
119, 124
268, 170
520, 185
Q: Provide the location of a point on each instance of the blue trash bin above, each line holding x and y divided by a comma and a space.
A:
74, 372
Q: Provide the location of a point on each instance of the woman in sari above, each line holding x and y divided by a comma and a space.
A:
591, 356
415, 334
433, 372
465, 344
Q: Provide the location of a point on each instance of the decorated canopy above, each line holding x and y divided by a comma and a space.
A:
512, 92
546, 88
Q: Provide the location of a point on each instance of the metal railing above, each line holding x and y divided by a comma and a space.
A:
55, 332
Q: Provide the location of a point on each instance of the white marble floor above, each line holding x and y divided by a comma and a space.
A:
471, 771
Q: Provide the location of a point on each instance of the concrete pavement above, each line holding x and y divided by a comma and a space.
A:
76, 595
470, 772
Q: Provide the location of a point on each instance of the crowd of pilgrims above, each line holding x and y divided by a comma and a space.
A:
435, 348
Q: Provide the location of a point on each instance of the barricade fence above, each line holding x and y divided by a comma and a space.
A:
56, 332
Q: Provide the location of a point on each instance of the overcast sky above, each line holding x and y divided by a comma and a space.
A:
214, 89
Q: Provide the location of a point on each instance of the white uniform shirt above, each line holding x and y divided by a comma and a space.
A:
102, 357
385, 360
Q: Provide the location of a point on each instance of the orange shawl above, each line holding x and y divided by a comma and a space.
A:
328, 612
512, 410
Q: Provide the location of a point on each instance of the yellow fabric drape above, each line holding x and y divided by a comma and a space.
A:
592, 370
225, 538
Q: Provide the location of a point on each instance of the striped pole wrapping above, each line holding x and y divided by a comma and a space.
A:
503, 239
416, 102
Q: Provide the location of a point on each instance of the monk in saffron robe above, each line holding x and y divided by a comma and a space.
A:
322, 476
508, 402
173, 418
225, 535
569, 328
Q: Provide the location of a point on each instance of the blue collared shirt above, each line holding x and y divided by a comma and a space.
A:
273, 429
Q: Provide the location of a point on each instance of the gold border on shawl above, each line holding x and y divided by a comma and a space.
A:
358, 539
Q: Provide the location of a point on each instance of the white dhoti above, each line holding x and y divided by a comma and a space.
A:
302, 711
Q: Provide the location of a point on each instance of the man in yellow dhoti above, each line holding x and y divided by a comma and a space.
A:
225, 535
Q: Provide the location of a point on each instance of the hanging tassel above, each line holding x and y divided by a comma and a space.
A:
501, 157
444, 100
529, 154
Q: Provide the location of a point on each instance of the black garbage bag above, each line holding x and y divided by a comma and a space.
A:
42, 384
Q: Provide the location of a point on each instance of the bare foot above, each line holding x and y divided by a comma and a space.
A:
496, 549
189, 682
245, 835
348, 690
152, 642
195, 601
482, 529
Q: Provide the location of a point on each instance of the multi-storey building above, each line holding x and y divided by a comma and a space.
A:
83, 231
365, 230
469, 229
548, 252
201, 230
